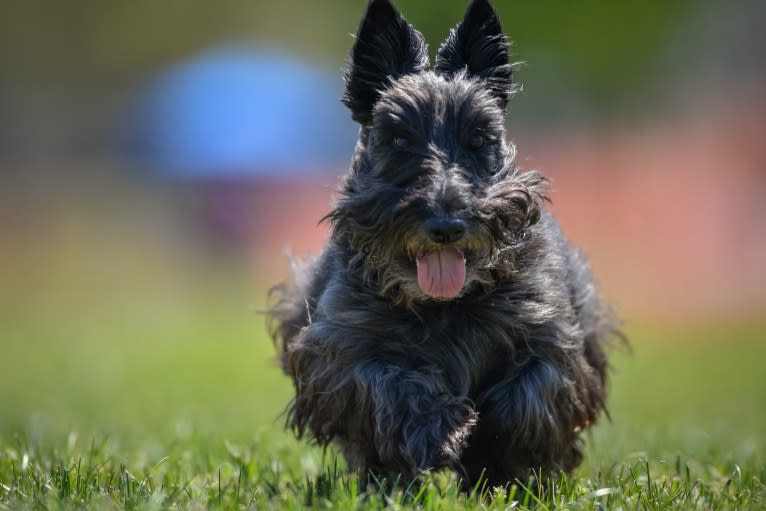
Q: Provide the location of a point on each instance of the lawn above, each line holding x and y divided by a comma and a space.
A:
149, 383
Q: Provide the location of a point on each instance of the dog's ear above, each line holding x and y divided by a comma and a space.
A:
478, 47
387, 47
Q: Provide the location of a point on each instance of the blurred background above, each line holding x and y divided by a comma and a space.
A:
157, 159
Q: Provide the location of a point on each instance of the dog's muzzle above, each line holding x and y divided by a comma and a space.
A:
441, 269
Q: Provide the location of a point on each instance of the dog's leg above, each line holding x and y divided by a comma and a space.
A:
389, 419
531, 419
419, 424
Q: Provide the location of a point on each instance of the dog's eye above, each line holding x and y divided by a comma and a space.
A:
477, 140
401, 142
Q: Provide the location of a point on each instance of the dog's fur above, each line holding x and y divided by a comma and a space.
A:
498, 380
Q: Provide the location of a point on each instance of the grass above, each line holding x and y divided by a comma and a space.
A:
191, 420
189, 475
151, 385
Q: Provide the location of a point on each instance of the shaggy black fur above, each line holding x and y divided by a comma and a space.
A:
501, 378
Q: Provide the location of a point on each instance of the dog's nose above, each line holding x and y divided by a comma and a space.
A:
445, 230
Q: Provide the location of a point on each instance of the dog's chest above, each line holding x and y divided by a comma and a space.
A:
463, 345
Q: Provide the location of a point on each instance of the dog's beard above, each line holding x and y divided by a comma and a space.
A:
399, 260
385, 231
423, 271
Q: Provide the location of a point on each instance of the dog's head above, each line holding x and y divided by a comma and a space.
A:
434, 204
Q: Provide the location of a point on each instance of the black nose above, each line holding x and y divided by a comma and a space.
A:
445, 230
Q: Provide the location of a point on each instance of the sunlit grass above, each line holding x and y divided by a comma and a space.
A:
188, 415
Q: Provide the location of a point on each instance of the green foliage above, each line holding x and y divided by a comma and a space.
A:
598, 48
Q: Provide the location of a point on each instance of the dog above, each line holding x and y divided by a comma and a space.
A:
447, 323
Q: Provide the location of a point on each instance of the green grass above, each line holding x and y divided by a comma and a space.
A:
189, 417
151, 385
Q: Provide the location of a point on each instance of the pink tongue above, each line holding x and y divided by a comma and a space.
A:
441, 273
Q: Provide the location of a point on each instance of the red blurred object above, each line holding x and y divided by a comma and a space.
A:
672, 214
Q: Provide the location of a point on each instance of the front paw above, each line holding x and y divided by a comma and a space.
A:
435, 438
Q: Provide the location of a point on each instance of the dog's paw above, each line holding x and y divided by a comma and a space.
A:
437, 440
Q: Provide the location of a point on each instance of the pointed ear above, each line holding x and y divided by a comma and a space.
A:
387, 47
479, 47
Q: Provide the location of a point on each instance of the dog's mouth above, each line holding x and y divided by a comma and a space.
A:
441, 272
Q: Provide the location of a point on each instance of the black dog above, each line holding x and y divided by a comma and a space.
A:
447, 323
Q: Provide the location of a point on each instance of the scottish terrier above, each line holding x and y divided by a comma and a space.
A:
447, 322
